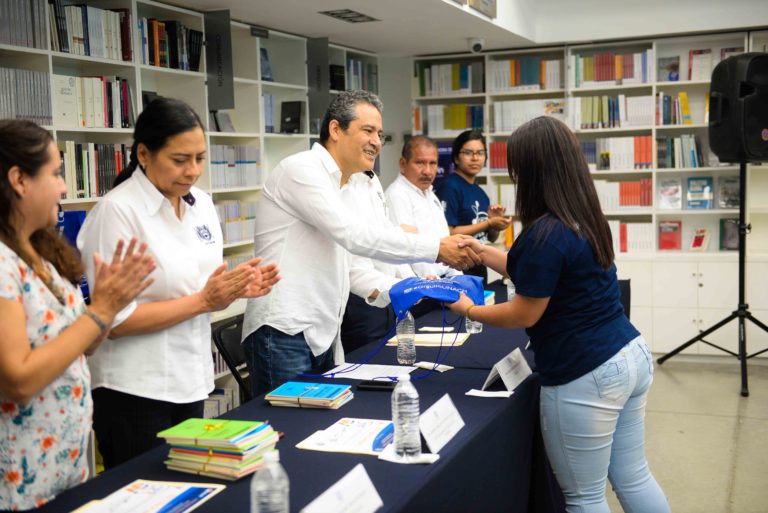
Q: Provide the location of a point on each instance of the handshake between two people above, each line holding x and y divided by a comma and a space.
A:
461, 252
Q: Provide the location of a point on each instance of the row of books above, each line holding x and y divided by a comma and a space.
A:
700, 64
22, 23
625, 194
621, 111
676, 110
90, 168
497, 156
170, 44
447, 120
446, 79
363, 75
298, 394
87, 30
631, 237
25, 94
92, 102
237, 219
679, 152
221, 400
671, 236
509, 115
235, 166
609, 67
225, 449
619, 153
700, 192
524, 74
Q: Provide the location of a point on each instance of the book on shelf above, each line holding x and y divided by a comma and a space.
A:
699, 194
337, 74
266, 66
685, 109
730, 51
291, 117
670, 194
310, 395
728, 192
729, 233
700, 64
700, 240
670, 235
223, 121
668, 69
65, 104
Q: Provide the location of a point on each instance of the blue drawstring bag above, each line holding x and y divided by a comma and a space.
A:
409, 291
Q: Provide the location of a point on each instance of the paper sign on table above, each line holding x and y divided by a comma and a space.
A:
439, 423
512, 369
353, 493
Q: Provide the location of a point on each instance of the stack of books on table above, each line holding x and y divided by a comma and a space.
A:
310, 395
227, 449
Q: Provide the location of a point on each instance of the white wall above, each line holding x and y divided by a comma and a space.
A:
395, 92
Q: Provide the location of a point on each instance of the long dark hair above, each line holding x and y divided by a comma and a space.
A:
546, 162
162, 119
24, 144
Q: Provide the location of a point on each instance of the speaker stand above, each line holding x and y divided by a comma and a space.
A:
742, 312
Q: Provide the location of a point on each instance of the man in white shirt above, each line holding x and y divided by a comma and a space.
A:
303, 225
411, 200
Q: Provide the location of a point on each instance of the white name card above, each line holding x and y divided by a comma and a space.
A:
439, 423
353, 493
512, 369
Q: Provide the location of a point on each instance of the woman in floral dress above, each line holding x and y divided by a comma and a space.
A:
45, 327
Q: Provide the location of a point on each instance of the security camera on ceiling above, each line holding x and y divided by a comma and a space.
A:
475, 44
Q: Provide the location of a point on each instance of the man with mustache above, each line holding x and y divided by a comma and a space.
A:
304, 226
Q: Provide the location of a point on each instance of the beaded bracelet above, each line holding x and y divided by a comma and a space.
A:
95, 318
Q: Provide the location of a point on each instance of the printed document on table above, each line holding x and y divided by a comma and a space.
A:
356, 436
369, 371
143, 496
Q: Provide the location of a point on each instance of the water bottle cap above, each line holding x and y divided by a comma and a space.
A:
272, 456
404, 377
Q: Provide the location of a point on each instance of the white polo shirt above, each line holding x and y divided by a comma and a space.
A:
304, 226
407, 204
175, 364
365, 197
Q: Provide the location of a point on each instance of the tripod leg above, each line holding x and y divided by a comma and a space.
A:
697, 338
743, 356
757, 322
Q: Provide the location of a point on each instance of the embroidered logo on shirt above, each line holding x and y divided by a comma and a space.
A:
204, 234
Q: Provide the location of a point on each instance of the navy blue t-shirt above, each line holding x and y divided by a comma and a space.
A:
464, 203
584, 324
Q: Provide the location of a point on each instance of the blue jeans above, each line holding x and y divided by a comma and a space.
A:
274, 357
593, 428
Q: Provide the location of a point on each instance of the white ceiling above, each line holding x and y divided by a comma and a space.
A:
417, 27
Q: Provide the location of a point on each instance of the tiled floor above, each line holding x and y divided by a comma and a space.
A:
707, 445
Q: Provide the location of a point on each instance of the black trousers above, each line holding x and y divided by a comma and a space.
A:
479, 270
364, 323
127, 425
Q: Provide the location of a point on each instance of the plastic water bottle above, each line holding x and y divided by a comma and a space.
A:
472, 326
510, 289
405, 416
406, 345
269, 486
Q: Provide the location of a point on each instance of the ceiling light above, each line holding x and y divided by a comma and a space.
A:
349, 16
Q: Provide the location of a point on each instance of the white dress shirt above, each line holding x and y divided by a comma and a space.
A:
304, 226
174, 364
407, 204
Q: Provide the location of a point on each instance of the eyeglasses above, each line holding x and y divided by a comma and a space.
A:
469, 153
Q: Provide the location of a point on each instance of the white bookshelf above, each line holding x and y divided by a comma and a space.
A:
655, 303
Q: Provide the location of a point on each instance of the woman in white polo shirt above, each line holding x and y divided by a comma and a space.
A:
156, 368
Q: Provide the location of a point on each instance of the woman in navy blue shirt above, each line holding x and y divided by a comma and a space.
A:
595, 367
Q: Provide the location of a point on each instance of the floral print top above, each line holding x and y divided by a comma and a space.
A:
43, 443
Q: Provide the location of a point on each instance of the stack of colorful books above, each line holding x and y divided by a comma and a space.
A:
227, 449
310, 395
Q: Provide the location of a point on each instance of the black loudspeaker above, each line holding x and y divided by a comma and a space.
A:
738, 114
